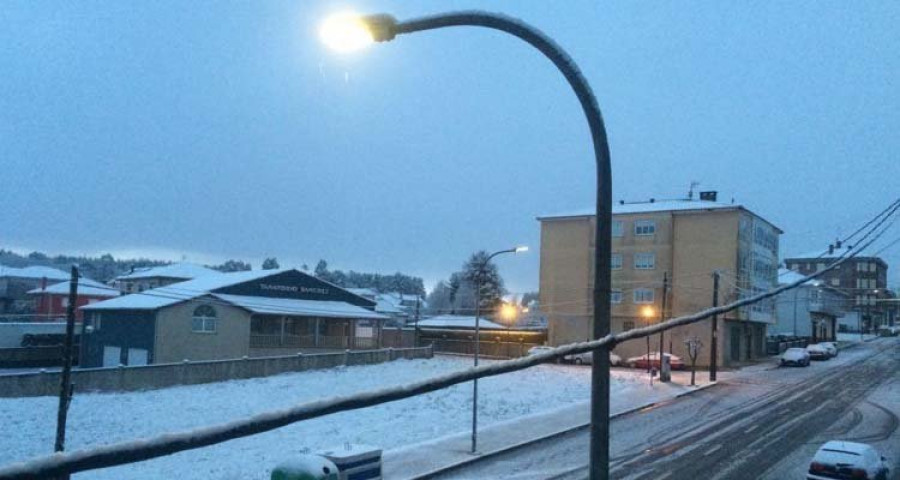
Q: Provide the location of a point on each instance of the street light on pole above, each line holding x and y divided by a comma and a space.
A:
478, 276
356, 32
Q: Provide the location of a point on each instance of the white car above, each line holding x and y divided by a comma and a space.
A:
837, 459
587, 358
817, 352
831, 347
795, 356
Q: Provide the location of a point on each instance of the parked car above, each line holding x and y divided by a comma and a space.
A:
675, 362
831, 347
539, 349
889, 331
587, 358
795, 356
817, 352
838, 459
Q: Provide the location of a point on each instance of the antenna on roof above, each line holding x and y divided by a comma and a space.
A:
694, 184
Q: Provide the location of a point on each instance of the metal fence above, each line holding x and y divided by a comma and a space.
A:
485, 348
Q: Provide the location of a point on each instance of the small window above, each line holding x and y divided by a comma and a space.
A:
615, 261
627, 325
835, 282
644, 227
643, 295
64, 302
644, 261
618, 228
615, 296
204, 320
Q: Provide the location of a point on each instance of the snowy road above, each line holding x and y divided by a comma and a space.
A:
764, 424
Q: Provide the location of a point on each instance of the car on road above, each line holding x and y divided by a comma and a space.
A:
839, 459
587, 358
817, 352
831, 347
795, 356
675, 362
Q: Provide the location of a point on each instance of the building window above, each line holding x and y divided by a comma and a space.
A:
644, 227
644, 261
615, 296
627, 325
835, 282
643, 295
204, 320
860, 267
618, 228
615, 261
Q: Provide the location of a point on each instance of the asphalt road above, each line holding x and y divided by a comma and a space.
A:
762, 424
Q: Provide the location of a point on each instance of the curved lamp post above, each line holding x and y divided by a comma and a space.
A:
347, 32
481, 269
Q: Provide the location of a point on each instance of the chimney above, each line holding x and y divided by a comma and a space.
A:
709, 196
831, 249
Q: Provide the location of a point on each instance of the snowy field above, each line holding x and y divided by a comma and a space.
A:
29, 423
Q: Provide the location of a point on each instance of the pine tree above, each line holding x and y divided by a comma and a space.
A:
270, 264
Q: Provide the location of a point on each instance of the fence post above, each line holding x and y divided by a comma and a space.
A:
390, 354
347, 357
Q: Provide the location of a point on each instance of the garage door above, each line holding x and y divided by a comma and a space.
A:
137, 356
112, 356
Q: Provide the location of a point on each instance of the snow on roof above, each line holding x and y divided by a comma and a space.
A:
458, 321
37, 272
786, 276
175, 270
86, 286
179, 292
825, 255
649, 207
292, 306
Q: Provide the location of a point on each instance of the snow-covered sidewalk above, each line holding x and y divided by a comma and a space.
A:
97, 419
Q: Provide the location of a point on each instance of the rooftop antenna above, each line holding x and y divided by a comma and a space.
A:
694, 184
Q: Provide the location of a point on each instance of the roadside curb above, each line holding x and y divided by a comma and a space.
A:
559, 433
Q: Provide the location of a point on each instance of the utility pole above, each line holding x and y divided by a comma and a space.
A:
714, 348
65, 384
416, 330
662, 315
475, 381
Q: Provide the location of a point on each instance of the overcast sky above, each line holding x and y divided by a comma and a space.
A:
215, 130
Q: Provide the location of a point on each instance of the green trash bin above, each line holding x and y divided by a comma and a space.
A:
306, 467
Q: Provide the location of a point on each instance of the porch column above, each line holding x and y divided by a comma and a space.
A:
316, 337
281, 340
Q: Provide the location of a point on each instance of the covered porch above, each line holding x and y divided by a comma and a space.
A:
305, 332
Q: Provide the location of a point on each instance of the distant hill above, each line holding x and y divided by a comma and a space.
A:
102, 268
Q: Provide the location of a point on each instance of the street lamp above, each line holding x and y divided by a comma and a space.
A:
381, 28
478, 275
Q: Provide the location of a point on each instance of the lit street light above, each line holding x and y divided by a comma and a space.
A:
348, 33
648, 313
481, 268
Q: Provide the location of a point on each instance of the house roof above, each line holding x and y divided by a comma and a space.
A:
86, 286
458, 321
786, 276
826, 255
293, 306
174, 270
36, 272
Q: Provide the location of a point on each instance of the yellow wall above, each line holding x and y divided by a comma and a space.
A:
175, 341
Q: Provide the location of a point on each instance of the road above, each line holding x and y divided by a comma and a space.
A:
761, 424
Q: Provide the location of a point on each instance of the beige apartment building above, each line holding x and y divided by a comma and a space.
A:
684, 240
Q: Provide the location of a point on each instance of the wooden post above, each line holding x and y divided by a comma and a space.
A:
65, 385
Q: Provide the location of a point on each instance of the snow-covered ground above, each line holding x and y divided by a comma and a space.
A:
855, 337
29, 423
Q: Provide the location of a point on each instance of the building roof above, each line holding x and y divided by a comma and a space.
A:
459, 321
826, 255
157, 298
86, 286
293, 306
174, 270
37, 272
786, 276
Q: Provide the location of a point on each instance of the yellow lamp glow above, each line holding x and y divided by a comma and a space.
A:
508, 312
648, 312
345, 32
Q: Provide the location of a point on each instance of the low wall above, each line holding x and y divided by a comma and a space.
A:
149, 377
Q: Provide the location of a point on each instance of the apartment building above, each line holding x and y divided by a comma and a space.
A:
863, 279
683, 240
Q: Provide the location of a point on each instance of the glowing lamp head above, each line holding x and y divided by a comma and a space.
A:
346, 32
508, 312
648, 312
521, 249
